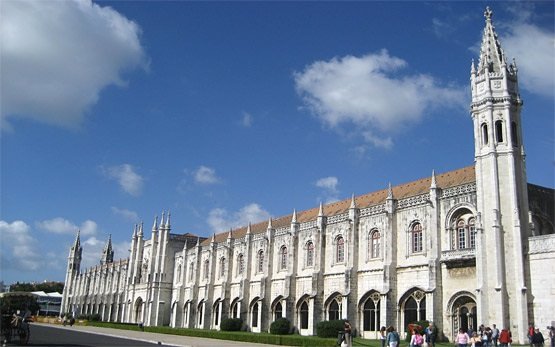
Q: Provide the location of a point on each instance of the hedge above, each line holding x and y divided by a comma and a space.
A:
241, 336
330, 328
280, 326
231, 324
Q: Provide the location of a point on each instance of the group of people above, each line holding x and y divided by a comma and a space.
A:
390, 338
535, 336
483, 337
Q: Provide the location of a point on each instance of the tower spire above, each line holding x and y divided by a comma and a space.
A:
108, 252
492, 57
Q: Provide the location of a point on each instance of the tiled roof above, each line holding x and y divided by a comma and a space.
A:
447, 180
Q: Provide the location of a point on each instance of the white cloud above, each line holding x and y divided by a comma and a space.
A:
329, 185
370, 93
206, 175
247, 120
534, 57
126, 214
221, 220
18, 247
125, 175
57, 56
63, 226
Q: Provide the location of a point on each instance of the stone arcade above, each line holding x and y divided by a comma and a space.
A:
457, 248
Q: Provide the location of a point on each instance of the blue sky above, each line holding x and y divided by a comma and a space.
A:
226, 113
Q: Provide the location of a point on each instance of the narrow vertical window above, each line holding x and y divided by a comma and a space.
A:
461, 235
499, 130
191, 267
283, 258
206, 269
260, 261
222, 267
234, 313
375, 244
278, 311
416, 236
255, 315
472, 232
304, 315
240, 264
340, 249
310, 253
485, 134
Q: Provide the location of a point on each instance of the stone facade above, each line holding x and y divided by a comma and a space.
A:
470, 246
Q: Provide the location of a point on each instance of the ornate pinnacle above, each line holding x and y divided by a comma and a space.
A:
488, 13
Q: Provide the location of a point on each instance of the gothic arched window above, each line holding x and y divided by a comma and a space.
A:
255, 315
278, 311
416, 238
304, 315
334, 309
191, 268
222, 267
206, 269
375, 244
240, 264
260, 261
283, 258
309, 253
340, 249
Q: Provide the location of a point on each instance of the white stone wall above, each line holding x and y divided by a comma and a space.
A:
541, 252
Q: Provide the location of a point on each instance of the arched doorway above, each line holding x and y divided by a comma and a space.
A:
138, 310
463, 312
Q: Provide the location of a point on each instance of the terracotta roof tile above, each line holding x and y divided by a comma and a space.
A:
446, 180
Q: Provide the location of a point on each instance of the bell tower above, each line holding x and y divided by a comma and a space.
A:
502, 195
73, 268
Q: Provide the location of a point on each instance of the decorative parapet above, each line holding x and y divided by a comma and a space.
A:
338, 218
308, 225
541, 244
282, 231
373, 210
413, 201
459, 190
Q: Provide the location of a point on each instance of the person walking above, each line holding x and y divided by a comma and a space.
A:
392, 339
462, 339
494, 335
383, 335
505, 337
537, 338
431, 334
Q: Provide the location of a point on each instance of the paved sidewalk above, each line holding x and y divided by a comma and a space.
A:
161, 339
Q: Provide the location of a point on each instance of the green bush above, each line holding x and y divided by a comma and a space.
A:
329, 328
231, 324
281, 326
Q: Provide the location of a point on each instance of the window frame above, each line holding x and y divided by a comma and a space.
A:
417, 238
